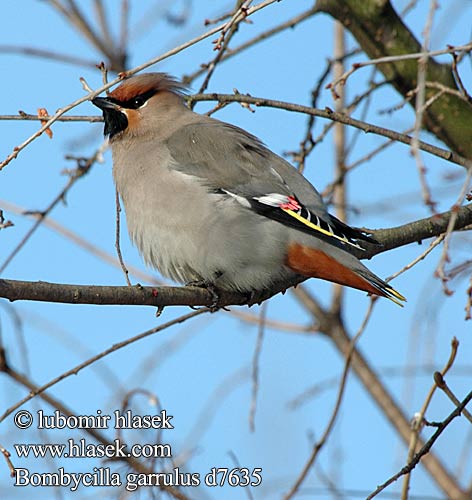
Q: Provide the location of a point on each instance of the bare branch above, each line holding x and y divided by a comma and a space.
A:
47, 54
22, 116
425, 449
88, 362
339, 117
418, 421
193, 296
342, 385
130, 72
255, 366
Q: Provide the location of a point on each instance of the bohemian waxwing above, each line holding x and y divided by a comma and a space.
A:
206, 202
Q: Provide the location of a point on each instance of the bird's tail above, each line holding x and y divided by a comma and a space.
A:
315, 263
383, 288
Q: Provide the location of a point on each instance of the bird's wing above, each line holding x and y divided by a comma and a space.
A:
229, 160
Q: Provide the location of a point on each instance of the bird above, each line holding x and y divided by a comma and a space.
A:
208, 204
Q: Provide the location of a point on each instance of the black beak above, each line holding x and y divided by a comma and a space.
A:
115, 120
104, 103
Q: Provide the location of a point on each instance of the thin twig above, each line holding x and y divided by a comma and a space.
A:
463, 91
224, 39
447, 90
117, 237
441, 383
47, 54
440, 269
402, 57
237, 16
283, 326
22, 116
418, 421
294, 21
319, 445
83, 168
6, 455
88, 362
425, 449
339, 117
137, 69
103, 23
468, 306
368, 156
255, 366
420, 108
420, 257
329, 383
78, 20
308, 143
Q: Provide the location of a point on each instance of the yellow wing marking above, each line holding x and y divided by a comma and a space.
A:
315, 227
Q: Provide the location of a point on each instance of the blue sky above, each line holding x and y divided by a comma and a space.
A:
201, 370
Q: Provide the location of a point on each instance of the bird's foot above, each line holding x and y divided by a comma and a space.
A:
210, 286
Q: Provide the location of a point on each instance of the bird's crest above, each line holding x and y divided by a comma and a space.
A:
147, 83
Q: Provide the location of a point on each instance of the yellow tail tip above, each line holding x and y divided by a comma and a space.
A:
394, 296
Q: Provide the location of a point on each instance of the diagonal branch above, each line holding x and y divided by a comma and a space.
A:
338, 117
137, 69
381, 32
426, 447
333, 327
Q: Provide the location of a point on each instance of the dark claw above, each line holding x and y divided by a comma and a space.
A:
255, 297
211, 289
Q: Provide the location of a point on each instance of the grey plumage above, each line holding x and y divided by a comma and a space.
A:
207, 201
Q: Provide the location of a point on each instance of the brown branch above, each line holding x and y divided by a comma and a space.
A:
194, 296
116, 295
73, 371
383, 36
34, 389
337, 406
61, 111
47, 54
22, 116
329, 114
291, 23
420, 230
333, 327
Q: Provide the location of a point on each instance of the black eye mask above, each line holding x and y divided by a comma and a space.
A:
135, 102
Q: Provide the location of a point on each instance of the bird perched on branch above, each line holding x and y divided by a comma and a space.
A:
207, 203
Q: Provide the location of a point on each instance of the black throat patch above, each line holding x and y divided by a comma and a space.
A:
115, 121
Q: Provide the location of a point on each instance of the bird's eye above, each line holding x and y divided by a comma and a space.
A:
139, 101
